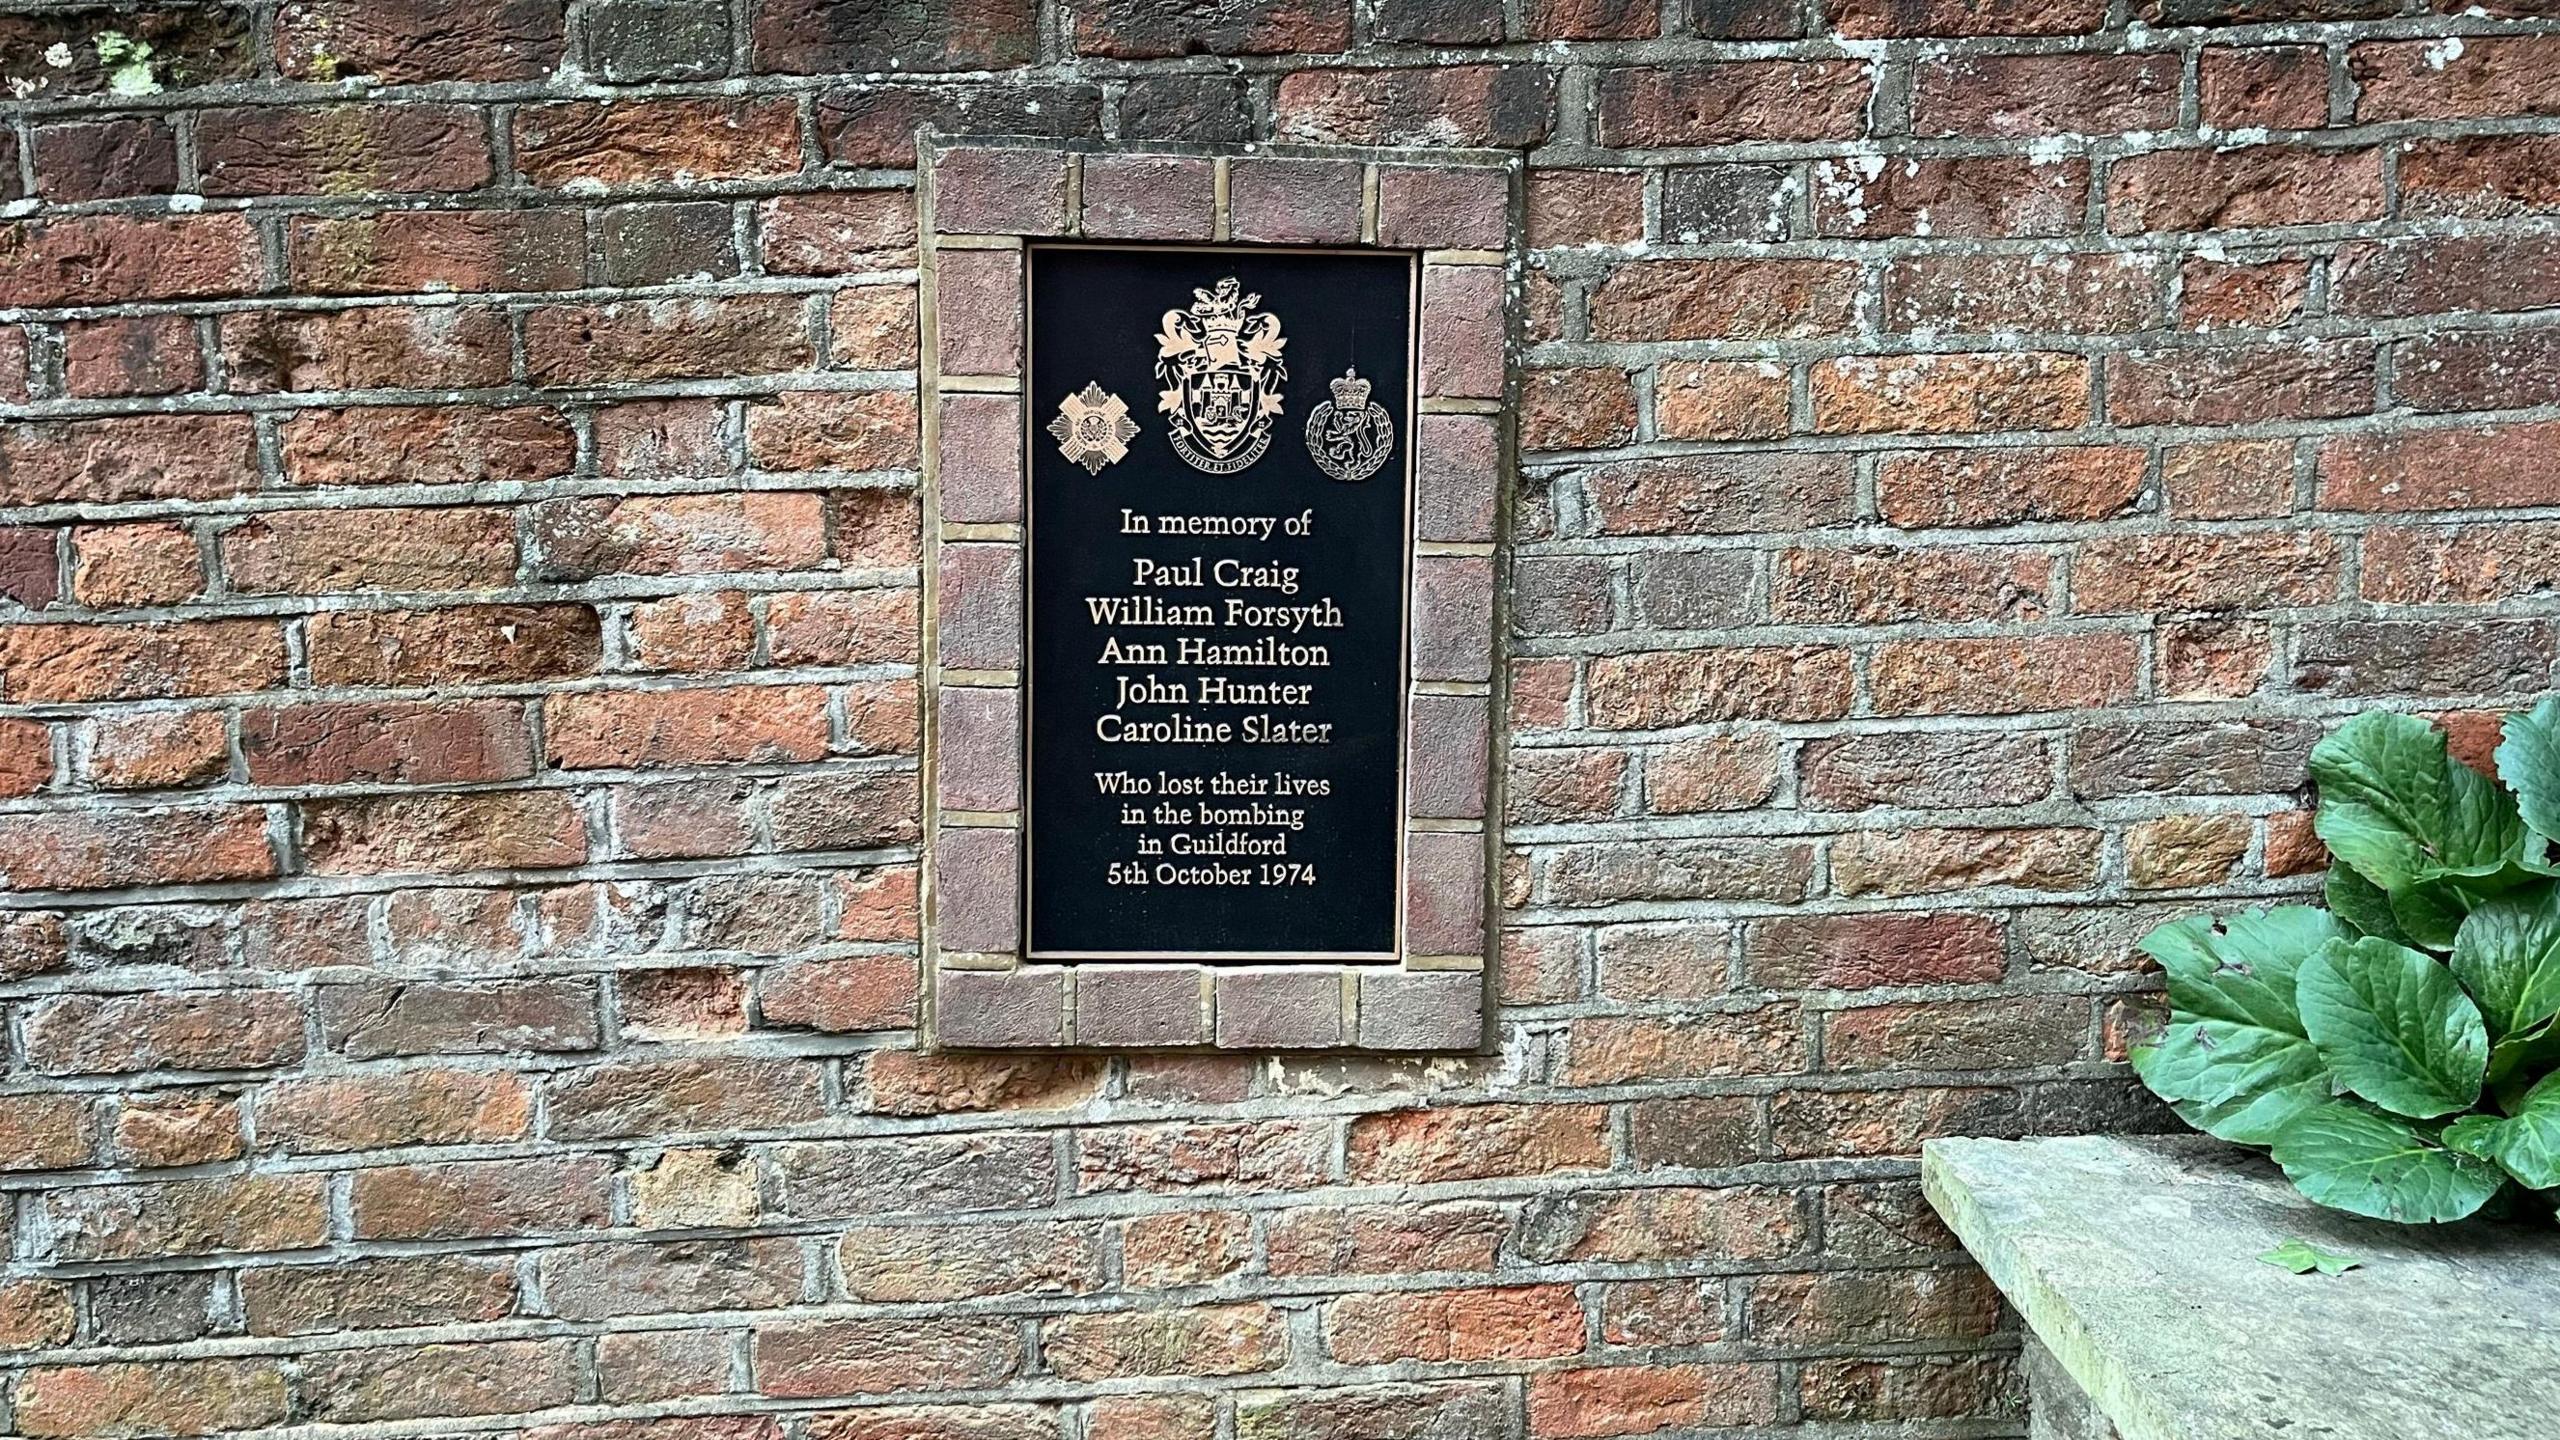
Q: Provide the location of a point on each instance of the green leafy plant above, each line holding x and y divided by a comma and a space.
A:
2399, 1052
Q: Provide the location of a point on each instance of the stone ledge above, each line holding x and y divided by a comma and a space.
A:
2134, 1262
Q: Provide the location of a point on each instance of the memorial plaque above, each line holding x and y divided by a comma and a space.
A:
1219, 557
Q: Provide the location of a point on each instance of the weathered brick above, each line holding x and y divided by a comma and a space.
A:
909, 1264
873, 1357
1721, 104
2484, 467
2008, 485
1725, 300
376, 1294
1499, 106
528, 829
198, 1397
117, 259
189, 1217
317, 552
498, 1197
405, 1383
1530, 1322
1933, 862
401, 1108
2025, 95
639, 141
816, 37
2452, 80
398, 251
327, 40
115, 848
140, 457
1640, 1399
1939, 394
342, 149
2001, 676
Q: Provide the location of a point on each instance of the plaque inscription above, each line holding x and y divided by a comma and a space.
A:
1217, 617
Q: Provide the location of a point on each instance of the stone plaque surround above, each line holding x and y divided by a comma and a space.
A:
982, 202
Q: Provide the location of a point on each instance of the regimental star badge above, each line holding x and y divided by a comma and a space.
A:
1093, 428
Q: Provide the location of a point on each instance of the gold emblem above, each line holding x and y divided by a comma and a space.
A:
1093, 428
1349, 435
1219, 363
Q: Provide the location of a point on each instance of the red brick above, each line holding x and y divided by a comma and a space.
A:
1498, 106
1476, 1142
878, 1357
526, 829
141, 355
1876, 585
2446, 274
641, 142
503, 1197
1865, 952
2486, 467
2214, 293
392, 1110
1985, 196
1937, 394
2018, 95
2007, 1033
26, 756
604, 728
1725, 300
2252, 570
814, 37
1584, 207
195, 1397
909, 1264
118, 259
1217, 1340
1721, 494
400, 1382
45, 1132
2240, 384
35, 1314
1977, 294
874, 124
103, 849
399, 251
1573, 409
834, 430
342, 150
374, 1294
1929, 862
1748, 101
1896, 19
2007, 486
2460, 565
874, 328
1530, 1322
105, 160
326, 40
422, 445
29, 572
377, 346
639, 340
409, 744
838, 233
1641, 1399
1925, 770
465, 645
2488, 370
2475, 76
1649, 691
2260, 185
83, 663
587, 536
1874, 1307
654, 1097
2002, 676
1149, 197
147, 564
692, 633
140, 457
317, 552
2264, 87
2480, 176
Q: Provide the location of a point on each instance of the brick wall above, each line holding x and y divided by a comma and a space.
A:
458, 708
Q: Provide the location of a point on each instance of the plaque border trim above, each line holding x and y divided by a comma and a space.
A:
982, 203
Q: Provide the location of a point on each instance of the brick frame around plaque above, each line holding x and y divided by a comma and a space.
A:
981, 202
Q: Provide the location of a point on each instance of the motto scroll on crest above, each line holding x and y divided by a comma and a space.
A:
1220, 365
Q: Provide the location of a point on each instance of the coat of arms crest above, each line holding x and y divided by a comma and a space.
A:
1220, 365
1349, 435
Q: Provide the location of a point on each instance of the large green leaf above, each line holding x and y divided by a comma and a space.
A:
2525, 1144
2363, 905
2507, 954
2394, 805
2241, 967
2349, 1158
2529, 761
2394, 1027
2234, 1059
2429, 914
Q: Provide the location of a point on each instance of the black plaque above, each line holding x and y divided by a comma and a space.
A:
1217, 602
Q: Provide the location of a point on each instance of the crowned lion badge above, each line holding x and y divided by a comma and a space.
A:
1219, 363
1349, 435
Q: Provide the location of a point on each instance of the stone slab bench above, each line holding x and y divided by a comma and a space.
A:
2133, 1264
